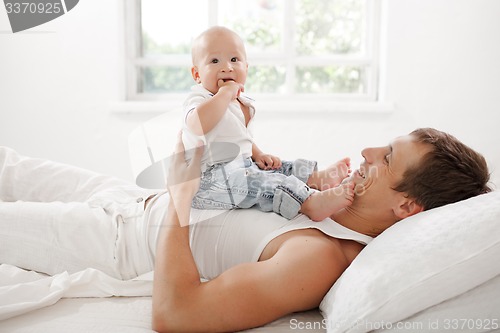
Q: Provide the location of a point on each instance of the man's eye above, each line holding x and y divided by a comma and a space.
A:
386, 159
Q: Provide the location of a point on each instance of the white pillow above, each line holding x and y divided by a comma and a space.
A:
419, 262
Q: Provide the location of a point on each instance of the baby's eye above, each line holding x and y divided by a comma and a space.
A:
215, 61
234, 59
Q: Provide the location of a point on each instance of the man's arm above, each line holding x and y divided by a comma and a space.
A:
295, 278
208, 114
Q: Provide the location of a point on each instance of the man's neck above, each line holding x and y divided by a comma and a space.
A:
366, 224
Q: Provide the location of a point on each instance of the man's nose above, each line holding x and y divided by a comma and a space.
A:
373, 153
367, 154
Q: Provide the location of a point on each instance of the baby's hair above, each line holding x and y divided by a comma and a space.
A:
217, 29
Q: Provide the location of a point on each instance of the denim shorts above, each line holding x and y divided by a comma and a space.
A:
241, 184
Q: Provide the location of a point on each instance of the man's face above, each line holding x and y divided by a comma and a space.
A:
381, 171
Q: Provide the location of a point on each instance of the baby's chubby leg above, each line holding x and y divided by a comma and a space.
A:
331, 176
323, 204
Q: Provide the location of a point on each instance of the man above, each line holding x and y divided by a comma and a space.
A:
419, 171
55, 218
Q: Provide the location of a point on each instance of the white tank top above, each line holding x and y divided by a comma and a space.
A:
222, 239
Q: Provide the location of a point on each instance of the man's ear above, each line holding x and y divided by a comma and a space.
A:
407, 207
195, 74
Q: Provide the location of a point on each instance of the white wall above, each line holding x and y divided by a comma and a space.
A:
442, 70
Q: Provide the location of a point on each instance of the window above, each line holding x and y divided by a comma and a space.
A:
308, 49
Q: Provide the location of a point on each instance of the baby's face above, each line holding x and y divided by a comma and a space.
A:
219, 56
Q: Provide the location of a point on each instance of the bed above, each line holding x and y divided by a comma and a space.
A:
435, 271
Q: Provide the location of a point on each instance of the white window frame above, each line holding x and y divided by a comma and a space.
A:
371, 101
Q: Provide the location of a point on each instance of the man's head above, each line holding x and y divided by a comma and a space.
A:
449, 172
218, 54
415, 172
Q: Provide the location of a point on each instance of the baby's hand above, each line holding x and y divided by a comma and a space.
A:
267, 161
231, 86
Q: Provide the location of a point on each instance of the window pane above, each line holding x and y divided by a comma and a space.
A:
258, 22
277, 51
331, 79
329, 26
166, 79
169, 28
265, 79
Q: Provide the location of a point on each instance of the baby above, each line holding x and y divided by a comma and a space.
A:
235, 172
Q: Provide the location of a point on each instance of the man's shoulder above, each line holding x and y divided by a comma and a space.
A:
310, 263
313, 248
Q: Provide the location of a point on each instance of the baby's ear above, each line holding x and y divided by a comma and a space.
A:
195, 74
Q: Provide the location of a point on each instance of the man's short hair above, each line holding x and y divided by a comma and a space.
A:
450, 172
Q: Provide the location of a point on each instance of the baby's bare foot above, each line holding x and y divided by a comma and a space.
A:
321, 205
331, 176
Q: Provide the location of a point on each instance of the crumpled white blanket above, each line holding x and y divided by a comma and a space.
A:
23, 291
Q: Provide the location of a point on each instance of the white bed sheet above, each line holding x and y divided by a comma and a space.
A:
133, 315
25, 291
128, 315
114, 314
90, 301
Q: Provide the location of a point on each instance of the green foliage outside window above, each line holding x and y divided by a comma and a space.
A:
322, 28
329, 27
166, 79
